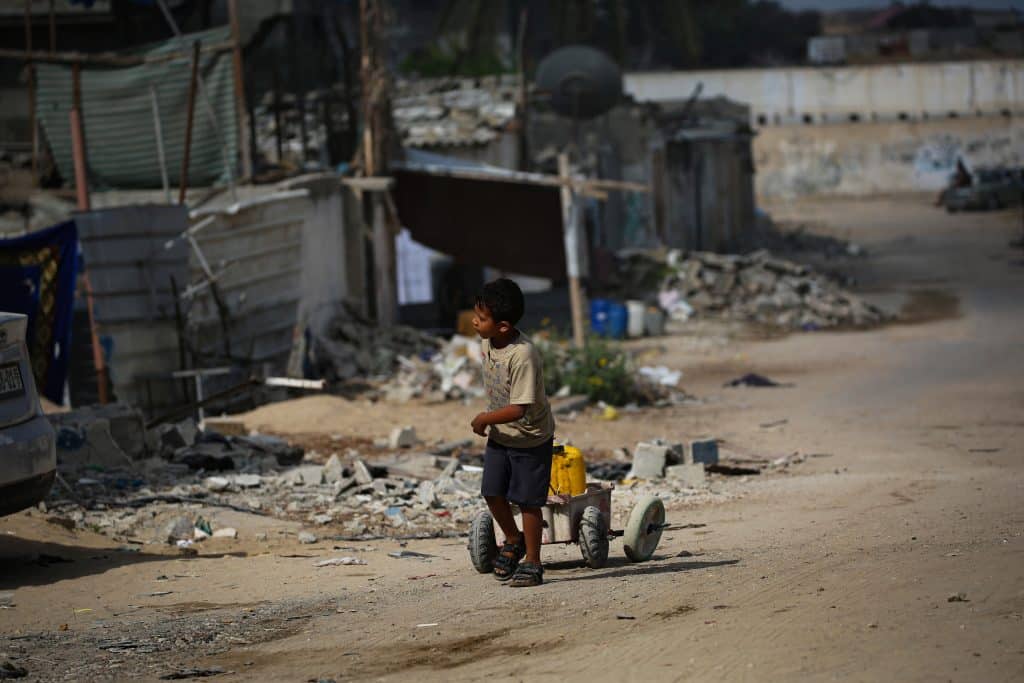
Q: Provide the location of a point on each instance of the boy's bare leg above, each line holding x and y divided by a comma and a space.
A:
533, 528
501, 511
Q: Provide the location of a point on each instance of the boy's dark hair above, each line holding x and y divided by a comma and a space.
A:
503, 300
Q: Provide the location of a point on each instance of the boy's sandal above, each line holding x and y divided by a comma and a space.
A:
527, 574
508, 558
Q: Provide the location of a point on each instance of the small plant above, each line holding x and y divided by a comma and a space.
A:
600, 370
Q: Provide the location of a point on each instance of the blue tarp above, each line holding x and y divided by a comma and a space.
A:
37, 277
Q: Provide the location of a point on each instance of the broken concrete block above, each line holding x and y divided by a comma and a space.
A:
427, 494
226, 532
322, 519
247, 481
690, 475
307, 538
217, 484
178, 529
362, 473
343, 485
334, 470
402, 437
649, 461
704, 452
304, 475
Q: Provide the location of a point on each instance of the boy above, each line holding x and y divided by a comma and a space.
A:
517, 460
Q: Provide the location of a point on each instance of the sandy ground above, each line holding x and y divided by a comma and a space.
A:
841, 569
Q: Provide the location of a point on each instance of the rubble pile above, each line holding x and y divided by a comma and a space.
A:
351, 346
758, 287
453, 373
122, 480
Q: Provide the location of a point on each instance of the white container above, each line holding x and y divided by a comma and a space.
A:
635, 312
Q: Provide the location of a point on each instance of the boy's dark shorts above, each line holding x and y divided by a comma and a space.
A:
522, 475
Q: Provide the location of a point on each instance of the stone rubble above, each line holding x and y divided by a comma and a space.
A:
755, 287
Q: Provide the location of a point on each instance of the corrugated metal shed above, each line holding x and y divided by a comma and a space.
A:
118, 117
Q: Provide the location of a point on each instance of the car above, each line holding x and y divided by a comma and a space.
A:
990, 189
28, 445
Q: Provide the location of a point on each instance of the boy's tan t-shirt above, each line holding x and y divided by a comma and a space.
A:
514, 375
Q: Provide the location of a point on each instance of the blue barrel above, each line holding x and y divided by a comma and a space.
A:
618, 320
599, 316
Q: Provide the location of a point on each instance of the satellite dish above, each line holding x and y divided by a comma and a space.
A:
581, 81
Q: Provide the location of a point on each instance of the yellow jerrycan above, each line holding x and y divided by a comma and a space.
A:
568, 471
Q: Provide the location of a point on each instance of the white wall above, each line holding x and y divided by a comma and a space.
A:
891, 91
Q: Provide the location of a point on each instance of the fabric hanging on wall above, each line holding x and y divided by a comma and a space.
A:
38, 272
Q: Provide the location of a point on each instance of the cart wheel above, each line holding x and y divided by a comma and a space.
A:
482, 546
594, 537
644, 528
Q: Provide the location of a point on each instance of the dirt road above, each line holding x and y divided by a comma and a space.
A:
895, 554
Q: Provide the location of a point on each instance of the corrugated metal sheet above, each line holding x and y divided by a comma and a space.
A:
130, 268
118, 117
255, 249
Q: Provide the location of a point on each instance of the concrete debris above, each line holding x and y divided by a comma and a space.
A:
225, 425
123, 425
755, 287
339, 562
451, 372
217, 484
351, 346
307, 538
690, 475
178, 529
403, 437
362, 474
226, 532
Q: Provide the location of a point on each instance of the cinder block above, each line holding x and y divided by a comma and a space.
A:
704, 452
691, 475
649, 461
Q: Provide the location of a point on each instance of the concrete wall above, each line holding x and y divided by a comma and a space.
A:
873, 158
876, 92
868, 129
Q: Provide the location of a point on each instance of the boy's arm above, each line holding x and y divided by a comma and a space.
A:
500, 416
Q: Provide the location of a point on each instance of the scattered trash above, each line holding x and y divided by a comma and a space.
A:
409, 554
754, 380
957, 597
339, 561
184, 543
628, 617
662, 375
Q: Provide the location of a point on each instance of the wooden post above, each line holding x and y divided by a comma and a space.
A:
31, 74
384, 262
572, 235
78, 152
78, 147
190, 116
375, 96
240, 101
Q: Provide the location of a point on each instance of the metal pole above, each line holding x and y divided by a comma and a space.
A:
190, 117
78, 148
229, 166
571, 233
158, 131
